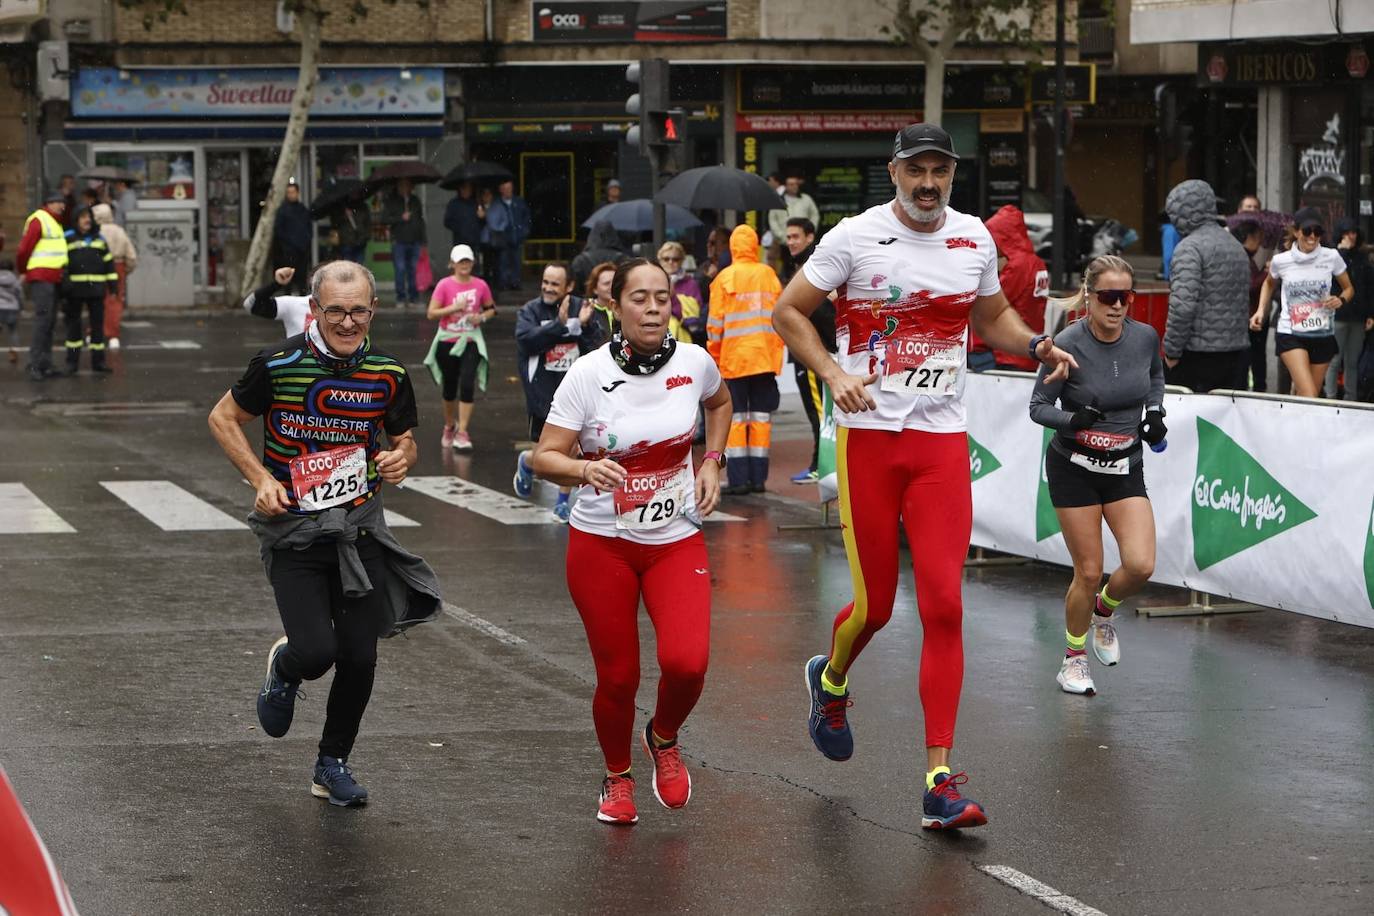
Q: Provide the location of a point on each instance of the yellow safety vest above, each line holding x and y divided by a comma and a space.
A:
51, 251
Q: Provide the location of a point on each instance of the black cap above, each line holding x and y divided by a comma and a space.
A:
922, 138
53, 194
1308, 216
1346, 224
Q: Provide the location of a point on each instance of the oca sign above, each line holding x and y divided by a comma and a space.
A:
548, 19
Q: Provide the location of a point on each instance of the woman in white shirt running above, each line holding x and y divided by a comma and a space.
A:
620, 428
1305, 338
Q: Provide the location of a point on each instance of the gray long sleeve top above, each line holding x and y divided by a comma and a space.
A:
1121, 379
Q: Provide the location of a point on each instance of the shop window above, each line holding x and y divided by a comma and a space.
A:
224, 208
168, 175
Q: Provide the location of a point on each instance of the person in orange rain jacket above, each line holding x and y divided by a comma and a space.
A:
1025, 281
741, 339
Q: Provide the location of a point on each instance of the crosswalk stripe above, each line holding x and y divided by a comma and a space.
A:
397, 520
495, 505
170, 507
21, 512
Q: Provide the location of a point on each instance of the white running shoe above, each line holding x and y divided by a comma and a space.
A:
1105, 644
113, 343
1075, 677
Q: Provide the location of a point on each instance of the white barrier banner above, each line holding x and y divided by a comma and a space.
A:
1270, 502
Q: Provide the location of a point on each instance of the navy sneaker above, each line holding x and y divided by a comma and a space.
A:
523, 481
334, 781
828, 724
277, 701
946, 809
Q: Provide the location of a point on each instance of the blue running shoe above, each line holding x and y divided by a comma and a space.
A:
828, 724
523, 482
946, 809
807, 476
561, 510
334, 781
277, 701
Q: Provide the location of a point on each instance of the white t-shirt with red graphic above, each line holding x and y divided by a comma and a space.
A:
644, 423
1306, 279
471, 296
902, 311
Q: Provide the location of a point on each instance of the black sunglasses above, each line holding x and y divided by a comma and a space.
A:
1113, 296
1313, 231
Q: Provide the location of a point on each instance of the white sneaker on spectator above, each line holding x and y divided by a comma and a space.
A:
1105, 644
114, 343
1074, 675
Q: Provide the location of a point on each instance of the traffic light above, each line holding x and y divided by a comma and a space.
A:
666, 128
651, 76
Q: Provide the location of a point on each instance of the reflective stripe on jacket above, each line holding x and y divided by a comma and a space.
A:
739, 331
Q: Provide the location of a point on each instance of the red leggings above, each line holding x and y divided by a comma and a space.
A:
923, 479
606, 577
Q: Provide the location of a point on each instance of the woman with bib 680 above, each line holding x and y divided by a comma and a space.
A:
620, 428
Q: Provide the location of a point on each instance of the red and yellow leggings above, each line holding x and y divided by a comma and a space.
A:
922, 479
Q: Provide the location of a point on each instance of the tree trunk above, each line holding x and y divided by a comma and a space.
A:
308, 21
934, 107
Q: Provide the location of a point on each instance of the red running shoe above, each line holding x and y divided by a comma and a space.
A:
617, 801
672, 783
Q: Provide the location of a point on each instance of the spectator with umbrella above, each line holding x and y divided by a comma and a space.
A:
405, 221
508, 225
291, 231
464, 216
344, 202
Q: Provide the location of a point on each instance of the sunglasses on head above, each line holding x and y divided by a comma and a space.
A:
1313, 231
1114, 296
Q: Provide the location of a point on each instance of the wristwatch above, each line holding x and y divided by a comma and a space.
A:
715, 456
1035, 345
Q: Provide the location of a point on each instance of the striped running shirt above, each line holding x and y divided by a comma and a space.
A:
309, 408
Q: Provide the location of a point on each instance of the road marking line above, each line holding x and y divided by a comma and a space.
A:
170, 507
482, 626
495, 505
1042, 892
397, 520
21, 512
719, 516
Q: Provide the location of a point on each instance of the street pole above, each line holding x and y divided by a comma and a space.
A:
1058, 260
659, 162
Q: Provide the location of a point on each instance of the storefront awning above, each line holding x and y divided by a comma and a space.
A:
133, 132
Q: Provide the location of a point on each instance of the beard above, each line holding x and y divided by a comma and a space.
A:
916, 212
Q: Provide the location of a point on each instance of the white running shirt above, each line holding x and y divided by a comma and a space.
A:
1306, 280
902, 310
645, 423
292, 311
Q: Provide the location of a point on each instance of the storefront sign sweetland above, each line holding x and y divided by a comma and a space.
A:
105, 92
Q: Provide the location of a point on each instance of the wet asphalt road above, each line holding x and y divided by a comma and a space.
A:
1226, 766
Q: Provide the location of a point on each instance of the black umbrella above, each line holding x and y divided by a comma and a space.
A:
479, 172
638, 216
108, 173
719, 187
338, 192
412, 169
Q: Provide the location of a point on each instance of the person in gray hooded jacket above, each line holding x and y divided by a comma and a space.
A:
1207, 338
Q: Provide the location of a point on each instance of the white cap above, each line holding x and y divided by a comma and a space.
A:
460, 253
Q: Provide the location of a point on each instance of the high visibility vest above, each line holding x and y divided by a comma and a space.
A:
51, 251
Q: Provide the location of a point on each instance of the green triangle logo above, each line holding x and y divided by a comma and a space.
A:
1236, 502
1046, 522
1369, 557
981, 462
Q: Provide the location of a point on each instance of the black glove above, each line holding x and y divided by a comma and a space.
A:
1084, 417
1152, 428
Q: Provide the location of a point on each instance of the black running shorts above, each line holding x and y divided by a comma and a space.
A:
1072, 485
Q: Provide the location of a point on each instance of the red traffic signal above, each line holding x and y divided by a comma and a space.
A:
667, 128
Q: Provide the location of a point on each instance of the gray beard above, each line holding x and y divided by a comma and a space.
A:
914, 211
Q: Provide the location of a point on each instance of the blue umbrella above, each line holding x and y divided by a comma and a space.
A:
638, 216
